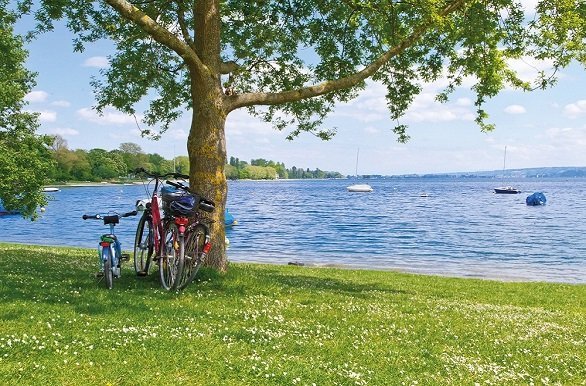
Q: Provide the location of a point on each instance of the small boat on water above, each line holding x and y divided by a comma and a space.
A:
50, 189
359, 188
506, 190
4, 211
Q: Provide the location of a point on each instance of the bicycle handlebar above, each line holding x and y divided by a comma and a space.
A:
100, 217
180, 186
160, 176
186, 188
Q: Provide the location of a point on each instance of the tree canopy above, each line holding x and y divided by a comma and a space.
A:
289, 62
24, 159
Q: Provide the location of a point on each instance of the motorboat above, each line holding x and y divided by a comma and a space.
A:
359, 188
50, 189
506, 190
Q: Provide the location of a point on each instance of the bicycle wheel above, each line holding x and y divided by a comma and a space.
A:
194, 243
143, 245
108, 274
171, 261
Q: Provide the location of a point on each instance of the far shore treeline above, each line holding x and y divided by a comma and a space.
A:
99, 165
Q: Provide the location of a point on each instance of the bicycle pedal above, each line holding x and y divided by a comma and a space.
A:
125, 257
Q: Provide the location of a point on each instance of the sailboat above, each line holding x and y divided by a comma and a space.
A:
506, 189
363, 188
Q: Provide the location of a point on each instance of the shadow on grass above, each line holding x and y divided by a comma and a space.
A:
300, 281
57, 276
54, 276
242, 279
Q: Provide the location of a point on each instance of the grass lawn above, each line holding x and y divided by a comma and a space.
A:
280, 325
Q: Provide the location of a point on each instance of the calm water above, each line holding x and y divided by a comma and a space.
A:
460, 229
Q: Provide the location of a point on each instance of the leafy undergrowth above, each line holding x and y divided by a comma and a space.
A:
280, 325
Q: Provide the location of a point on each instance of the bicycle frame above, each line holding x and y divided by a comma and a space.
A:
109, 248
168, 231
154, 210
157, 220
111, 241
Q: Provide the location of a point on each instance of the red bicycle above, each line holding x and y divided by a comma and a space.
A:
178, 240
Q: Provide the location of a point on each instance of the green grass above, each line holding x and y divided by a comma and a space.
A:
280, 325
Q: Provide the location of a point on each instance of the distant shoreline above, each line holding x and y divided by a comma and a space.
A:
92, 184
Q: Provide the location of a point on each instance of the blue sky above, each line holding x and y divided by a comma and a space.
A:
543, 128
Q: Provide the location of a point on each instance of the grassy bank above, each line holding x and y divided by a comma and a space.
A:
280, 325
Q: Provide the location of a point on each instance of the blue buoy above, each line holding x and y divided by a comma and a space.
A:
536, 199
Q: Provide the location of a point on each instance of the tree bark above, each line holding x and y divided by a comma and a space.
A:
206, 144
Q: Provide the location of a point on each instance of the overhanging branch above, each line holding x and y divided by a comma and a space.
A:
158, 33
250, 99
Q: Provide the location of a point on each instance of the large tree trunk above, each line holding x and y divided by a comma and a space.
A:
207, 157
207, 142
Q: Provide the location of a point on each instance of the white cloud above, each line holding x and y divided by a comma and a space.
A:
61, 103
371, 130
241, 123
573, 110
47, 116
528, 68
110, 116
36, 96
463, 102
178, 134
97, 62
425, 108
567, 138
64, 132
529, 5
515, 109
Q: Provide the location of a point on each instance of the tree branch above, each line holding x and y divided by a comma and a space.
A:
228, 67
242, 100
158, 33
183, 26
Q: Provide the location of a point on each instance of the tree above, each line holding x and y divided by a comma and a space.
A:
25, 162
106, 165
181, 164
211, 57
132, 155
81, 169
58, 142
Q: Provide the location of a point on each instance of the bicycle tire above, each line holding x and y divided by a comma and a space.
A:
195, 240
143, 245
171, 260
108, 273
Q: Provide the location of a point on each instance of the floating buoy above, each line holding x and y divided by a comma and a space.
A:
536, 199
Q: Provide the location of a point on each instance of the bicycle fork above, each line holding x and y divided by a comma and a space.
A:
106, 241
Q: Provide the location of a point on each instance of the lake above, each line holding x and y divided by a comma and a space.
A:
460, 229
